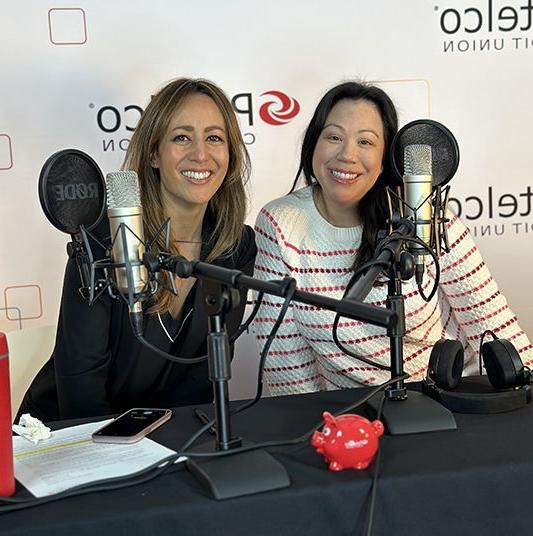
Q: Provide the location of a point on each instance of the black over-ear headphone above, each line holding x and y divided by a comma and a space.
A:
510, 381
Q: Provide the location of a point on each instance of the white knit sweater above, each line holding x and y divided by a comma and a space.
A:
294, 239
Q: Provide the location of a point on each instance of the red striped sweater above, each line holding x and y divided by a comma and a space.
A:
294, 239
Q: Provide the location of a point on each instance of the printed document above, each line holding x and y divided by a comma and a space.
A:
70, 458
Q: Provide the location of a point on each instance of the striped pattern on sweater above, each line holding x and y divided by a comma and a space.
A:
294, 240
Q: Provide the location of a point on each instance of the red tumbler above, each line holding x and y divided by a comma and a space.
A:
7, 479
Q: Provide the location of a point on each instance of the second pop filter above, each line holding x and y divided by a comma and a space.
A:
444, 148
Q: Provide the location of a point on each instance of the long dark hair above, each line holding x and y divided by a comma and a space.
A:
373, 210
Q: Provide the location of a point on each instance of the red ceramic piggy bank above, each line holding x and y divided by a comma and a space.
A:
347, 441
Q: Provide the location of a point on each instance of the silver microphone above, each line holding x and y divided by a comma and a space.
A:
418, 189
125, 215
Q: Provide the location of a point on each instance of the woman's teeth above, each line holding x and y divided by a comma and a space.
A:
343, 176
196, 175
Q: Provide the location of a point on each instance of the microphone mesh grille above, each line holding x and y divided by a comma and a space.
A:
417, 160
123, 189
444, 149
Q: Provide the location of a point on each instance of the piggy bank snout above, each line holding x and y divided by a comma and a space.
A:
378, 427
318, 439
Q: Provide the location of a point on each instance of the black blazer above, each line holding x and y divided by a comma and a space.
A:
98, 367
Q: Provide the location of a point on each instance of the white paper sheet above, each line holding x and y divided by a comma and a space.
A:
70, 458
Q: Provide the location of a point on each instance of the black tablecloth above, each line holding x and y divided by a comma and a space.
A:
475, 480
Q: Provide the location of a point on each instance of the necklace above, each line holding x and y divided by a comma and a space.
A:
179, 330
187, 241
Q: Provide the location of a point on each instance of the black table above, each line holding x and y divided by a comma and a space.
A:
475, 480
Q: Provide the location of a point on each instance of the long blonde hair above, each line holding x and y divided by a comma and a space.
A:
227, 206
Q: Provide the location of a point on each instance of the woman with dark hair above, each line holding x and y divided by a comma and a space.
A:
371, 203
321, 233
192, 165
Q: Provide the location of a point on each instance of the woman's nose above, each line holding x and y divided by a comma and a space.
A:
349, 151
198, 151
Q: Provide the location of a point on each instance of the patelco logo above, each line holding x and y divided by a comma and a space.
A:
277, 108
279, 111
489, 27
495, 213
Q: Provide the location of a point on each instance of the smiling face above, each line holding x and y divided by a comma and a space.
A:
193, 155
348, 158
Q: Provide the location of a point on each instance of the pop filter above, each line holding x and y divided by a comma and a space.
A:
72, 191
444, 148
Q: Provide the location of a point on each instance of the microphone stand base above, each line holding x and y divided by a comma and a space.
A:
415, 414
235, 475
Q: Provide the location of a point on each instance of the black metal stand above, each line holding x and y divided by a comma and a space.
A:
235, 475
414, 414
404, 412
242, 473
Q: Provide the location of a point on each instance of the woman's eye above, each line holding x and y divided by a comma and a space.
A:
215, 138
333, 137
366, 142
181, 138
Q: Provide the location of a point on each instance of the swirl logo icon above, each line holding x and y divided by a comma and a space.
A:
279, 111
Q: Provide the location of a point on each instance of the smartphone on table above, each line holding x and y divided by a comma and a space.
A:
132, 425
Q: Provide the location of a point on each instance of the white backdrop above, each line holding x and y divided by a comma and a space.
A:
65, 64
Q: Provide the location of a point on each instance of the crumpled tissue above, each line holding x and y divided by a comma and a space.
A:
31, 428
